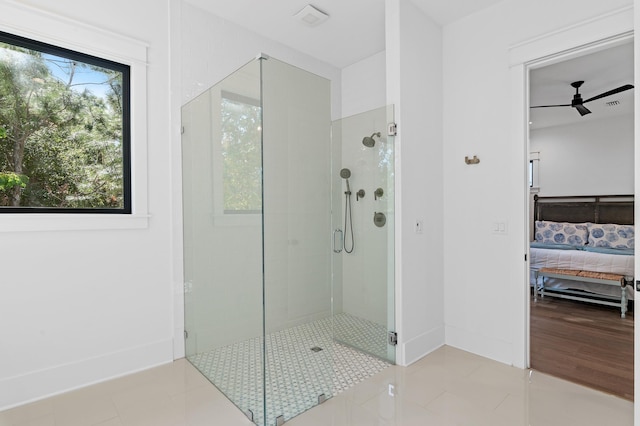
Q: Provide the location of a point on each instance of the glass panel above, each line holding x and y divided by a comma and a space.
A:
275, 304
223, 250
389, 178
297, 251
364, 269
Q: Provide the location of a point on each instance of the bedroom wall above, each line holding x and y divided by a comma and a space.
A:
83, 306
484, 272
590, 158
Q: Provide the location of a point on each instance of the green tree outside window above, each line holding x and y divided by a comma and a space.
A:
61, 131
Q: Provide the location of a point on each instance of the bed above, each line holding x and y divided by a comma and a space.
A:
592, 235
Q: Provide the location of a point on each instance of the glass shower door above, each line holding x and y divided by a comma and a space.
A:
222, 214
274, 308
363, 155
297, 252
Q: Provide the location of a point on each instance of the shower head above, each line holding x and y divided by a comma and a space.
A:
346, 174
368, 141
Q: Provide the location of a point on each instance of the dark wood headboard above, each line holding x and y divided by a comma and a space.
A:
589, 208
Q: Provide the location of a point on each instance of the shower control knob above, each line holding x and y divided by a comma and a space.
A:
379, 219
378, 193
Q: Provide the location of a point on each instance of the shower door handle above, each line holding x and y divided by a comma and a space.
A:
337, 248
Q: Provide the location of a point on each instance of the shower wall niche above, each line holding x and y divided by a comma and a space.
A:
263, 285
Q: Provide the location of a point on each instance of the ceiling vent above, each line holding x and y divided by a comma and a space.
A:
613, 103
311, 16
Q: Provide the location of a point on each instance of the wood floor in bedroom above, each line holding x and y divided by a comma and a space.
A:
583, 343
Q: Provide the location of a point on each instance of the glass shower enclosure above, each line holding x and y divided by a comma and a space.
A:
278, 315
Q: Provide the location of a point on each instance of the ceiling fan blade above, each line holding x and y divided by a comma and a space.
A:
610, 92
582, 109
550, 106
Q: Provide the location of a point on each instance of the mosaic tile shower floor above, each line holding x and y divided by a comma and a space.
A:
296, 375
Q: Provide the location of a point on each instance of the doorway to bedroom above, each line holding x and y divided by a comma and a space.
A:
581, 155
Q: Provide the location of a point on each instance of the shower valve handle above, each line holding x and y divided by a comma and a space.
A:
359, 194
378, 193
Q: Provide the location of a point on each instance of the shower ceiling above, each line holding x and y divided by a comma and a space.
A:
357, 26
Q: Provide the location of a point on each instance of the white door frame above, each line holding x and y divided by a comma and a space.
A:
586, 37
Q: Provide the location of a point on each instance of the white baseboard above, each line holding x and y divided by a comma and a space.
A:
422, 345
33, 386
178, 343
480, 344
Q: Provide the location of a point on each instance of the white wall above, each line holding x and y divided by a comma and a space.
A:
87, 305
590, 158
414, 86
212, 48
364, 85
484, 272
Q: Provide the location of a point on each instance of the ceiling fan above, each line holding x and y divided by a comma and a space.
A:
577, 101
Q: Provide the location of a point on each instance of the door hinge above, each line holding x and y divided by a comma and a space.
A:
392, 129
393, 338
186, 334
182, 130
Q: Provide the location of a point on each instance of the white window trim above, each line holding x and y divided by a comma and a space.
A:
58, 30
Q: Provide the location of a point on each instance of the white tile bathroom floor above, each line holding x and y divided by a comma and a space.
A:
295, 374
447, 387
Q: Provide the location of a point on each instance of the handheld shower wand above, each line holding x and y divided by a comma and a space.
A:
346, 174
348, 222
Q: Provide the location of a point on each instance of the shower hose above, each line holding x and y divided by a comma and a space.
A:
348, 222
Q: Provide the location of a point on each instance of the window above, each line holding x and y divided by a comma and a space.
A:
64, 130
534, 170
241, 154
